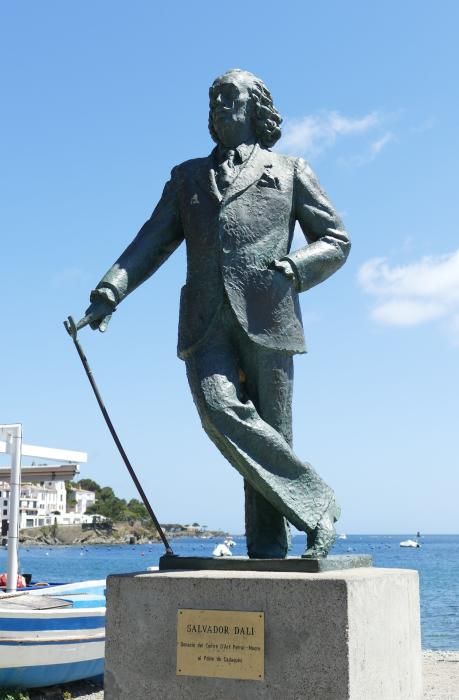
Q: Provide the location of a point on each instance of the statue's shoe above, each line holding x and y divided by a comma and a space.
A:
321, 539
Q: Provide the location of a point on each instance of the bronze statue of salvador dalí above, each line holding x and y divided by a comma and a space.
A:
240, 320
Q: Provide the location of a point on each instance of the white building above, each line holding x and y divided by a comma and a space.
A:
39, 503
84, 499
45, 503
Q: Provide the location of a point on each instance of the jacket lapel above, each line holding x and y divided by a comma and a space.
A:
205, 177
250, 172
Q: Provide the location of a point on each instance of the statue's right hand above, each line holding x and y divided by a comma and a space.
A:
99, 312
98, 316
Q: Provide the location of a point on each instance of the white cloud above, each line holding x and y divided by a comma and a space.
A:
314, 133
377, 146
408, 295
370, 152
406, 312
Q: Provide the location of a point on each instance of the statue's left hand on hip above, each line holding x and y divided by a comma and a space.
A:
286, 268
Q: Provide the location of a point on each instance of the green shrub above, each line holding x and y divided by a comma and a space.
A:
13, 694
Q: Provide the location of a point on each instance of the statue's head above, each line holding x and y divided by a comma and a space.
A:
241, 110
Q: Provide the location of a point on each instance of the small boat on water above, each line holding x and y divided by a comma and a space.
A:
52, 635
49, 633
410, 543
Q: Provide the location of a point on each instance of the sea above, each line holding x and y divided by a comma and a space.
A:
437, 561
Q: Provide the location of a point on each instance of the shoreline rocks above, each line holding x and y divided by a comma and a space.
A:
121, 533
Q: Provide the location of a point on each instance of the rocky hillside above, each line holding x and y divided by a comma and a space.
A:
120, 533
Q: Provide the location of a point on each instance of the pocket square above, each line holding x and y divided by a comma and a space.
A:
267, 180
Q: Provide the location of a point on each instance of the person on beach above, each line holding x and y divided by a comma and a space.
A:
240, 319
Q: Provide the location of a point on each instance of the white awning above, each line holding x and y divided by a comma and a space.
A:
48, 453
44, 472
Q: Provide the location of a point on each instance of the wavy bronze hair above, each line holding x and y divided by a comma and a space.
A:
267, 118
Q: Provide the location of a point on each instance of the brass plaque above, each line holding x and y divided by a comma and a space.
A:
221, 644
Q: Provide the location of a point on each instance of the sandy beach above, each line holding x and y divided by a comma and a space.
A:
441, 675
440, 671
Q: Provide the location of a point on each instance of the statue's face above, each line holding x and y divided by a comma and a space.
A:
232, 110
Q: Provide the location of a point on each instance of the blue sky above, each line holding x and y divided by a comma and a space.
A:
99, 102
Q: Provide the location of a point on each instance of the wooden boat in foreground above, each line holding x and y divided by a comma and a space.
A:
53, 635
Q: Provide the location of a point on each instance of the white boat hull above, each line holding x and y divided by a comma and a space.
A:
410, 543
33, 664
48, 647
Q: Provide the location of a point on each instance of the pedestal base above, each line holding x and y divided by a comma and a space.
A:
351, 634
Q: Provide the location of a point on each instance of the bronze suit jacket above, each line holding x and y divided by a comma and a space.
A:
232, 241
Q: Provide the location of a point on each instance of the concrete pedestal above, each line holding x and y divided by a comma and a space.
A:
352, 634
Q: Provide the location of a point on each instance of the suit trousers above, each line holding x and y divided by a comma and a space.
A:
243, 394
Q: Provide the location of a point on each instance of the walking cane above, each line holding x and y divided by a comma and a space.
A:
72, 329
